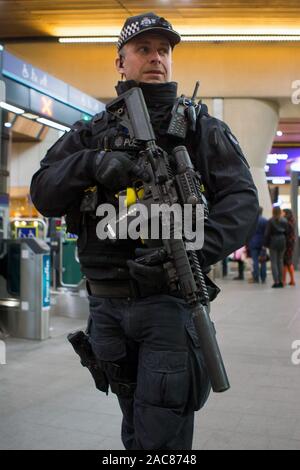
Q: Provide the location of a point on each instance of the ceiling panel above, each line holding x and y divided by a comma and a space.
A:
45, 18
25, 18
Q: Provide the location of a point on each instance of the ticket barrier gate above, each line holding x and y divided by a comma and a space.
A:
25, 288
68, 294
69, 299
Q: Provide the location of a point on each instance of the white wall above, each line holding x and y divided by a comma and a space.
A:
25, 158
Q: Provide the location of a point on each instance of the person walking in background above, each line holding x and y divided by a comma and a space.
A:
290, 243
257, 250
275, 240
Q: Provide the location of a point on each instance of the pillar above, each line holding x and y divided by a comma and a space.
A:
254, 122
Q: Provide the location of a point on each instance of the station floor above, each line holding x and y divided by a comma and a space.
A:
48, 401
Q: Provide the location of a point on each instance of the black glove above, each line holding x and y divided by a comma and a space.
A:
151, 276
116, 170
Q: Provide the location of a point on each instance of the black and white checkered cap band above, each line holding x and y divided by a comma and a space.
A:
127, 32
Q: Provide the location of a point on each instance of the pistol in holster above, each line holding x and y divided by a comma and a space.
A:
82, 347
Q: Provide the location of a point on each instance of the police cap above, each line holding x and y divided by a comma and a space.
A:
135, 25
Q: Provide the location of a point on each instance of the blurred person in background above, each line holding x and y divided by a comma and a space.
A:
290, 243
257, 250
275, 240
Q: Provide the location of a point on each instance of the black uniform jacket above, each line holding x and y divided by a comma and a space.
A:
67, 170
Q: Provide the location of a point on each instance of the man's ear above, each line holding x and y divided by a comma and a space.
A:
119, 64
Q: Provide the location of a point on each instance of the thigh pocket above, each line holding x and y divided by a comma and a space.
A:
199, 383
162, 378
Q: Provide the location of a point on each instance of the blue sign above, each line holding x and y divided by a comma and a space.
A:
33, 77
46, 282
27, 232
36, 79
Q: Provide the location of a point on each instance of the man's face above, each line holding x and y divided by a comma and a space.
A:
146, 58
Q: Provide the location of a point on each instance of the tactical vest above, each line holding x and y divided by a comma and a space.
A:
104, 259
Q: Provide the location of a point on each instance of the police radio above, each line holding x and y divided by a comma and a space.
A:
184, 115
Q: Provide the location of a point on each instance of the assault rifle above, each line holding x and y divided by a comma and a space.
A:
173, 180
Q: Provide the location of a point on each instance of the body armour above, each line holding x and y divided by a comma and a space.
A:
104, 259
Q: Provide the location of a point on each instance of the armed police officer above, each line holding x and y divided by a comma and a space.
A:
140, 332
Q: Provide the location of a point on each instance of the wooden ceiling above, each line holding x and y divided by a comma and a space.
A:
48, 18
43, 20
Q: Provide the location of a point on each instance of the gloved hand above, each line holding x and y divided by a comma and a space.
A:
116, 170
151, 276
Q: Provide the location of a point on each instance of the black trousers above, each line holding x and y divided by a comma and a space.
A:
154, 343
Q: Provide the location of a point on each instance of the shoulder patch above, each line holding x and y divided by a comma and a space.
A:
235, 143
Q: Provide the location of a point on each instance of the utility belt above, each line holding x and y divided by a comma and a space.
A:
125, 288
129, 288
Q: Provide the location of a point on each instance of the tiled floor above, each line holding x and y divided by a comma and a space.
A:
47, 400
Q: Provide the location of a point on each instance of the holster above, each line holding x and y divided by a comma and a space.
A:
81, 345
104, 373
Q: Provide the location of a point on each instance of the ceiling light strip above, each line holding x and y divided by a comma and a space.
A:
54, 124
241, 38
194, 38
104, 39
11, 108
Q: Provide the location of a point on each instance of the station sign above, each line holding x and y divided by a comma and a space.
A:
26, 74
280, 162
33, 77
27, 232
